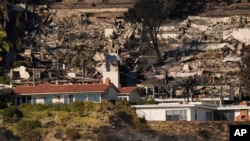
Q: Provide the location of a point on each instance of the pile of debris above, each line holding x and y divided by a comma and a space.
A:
208, 52
65, 48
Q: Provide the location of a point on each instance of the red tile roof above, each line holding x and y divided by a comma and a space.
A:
49, 89
127, 90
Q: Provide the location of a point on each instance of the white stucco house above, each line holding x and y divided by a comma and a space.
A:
193, 111
129, 94
48, 94
176, 111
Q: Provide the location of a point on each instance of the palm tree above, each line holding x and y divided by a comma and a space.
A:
5, 46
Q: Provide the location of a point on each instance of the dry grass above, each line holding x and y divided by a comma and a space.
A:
94, 123
62, 117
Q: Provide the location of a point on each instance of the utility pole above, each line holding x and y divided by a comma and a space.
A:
82, 74
33, 81
221, 92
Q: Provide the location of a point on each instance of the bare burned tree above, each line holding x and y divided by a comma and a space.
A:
245, 74
151, 14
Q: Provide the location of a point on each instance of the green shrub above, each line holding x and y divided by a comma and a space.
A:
72, 134
77, 107
3, 105
89, 106
28, 130
38, 107
12, 114
25, 125
59, 107
5, 80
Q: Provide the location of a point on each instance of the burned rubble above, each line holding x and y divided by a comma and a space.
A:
208, 52
202, 56
61, 48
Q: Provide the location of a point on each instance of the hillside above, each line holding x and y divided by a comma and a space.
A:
104, 122
91, 122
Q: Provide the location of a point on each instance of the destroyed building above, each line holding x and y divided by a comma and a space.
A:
201, 55
205, 61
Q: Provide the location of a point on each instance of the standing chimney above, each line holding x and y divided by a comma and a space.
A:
107, 81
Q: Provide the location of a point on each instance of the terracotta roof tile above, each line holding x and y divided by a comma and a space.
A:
47, 89
127, 90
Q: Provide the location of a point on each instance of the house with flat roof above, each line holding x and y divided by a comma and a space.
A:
193, 111
48, 94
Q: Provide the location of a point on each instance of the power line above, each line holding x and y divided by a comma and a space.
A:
131, 77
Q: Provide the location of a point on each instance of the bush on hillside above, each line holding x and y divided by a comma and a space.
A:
72, 134
25, 125
12, 114
58, 107
3, 105
28, 130
89, 106
77, 107
125, 112
33, 107
5, 80
105, 106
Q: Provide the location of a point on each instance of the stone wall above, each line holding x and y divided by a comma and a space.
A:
190, 131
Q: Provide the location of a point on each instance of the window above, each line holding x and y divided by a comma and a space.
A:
58, 97
227, 115
175, 115
47, 99
195, 115
209, 116
33, 99
71, 98
81, 97
123, 98
94, 97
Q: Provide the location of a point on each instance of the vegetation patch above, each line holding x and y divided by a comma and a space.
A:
12, 114
72, 134
29, 130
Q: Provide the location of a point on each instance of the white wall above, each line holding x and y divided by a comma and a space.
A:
39, 99
201, 114
56, 100
113, 76
157, 114
237, 113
